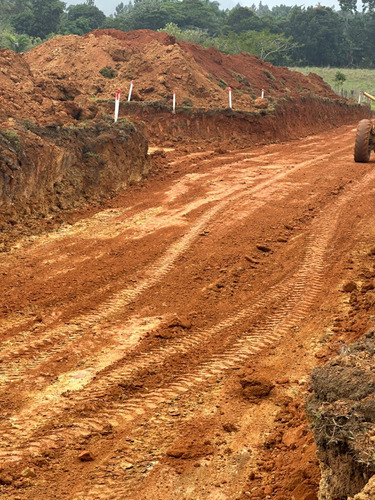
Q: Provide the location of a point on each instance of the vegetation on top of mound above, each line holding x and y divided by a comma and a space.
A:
12, 138
108, 72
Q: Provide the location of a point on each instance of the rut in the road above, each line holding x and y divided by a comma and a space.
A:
290, 312
299, 294
57, 340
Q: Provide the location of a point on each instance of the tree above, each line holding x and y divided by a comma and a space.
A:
241, 19
340, 78
196, 35
155, 14
39, 18
267, 46
17, 43
82, 18
120, 9
319, 33
348, 5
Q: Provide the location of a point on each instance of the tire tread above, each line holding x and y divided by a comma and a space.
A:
362, 148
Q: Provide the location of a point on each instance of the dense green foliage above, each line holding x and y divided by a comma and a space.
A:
314, 36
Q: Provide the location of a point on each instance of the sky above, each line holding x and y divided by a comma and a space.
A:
108, 6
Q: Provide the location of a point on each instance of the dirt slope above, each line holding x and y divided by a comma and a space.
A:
160, 348
159, 65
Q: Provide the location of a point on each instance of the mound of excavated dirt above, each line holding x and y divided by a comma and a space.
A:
27, 97
159, 65
58, 86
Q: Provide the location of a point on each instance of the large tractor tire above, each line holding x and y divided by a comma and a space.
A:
363, 141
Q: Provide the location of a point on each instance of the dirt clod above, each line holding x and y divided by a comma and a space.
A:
349, 287
85, 456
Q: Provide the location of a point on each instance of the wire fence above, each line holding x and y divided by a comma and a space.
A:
356, 94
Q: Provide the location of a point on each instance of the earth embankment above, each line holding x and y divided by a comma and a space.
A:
291, 118
59, 149
342, 415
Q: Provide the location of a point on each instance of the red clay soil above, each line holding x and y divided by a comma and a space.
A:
59, 81
159, 65
159, 347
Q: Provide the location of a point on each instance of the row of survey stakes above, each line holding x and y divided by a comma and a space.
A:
118, 95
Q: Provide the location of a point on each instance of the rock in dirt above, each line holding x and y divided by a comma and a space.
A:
230, 427
349, 287
255, 388
126, 465
6, 479
263, 248
251, 260
179, 322
28, 472
85, 456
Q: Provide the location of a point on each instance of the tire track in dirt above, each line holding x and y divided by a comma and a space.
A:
307, 280
80, 229
60, 338
306, 285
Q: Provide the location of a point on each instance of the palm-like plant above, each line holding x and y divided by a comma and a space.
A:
17, 43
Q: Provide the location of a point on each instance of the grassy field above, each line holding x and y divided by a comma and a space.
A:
357, 80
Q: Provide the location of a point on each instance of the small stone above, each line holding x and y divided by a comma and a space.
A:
263, 248
283, 380
28, 472
85, 456
250, 259
126, 465
175, 453
368, 286
179, 322
268, 490
320, 354
230, 427
6, 479
348, 287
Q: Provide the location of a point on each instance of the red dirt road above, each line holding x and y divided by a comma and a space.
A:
170, 335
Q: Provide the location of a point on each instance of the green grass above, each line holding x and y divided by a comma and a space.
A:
357, 80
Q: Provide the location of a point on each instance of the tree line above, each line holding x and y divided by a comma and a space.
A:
283, 35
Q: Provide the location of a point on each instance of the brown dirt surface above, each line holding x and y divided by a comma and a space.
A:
158, 343
151, 348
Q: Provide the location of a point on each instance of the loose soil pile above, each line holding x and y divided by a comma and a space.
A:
159, 65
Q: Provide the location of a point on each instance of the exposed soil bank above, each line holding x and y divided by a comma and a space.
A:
289, 119
45, 169
342, 416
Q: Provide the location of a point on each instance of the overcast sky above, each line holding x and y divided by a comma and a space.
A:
108, 6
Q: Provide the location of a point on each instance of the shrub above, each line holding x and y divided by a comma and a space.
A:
108, 72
